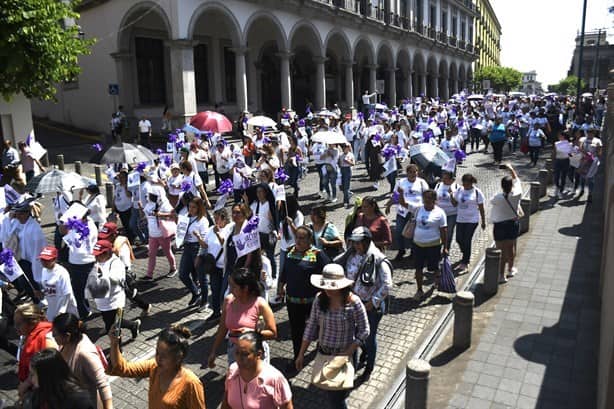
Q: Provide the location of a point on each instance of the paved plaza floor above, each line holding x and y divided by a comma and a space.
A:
398, 335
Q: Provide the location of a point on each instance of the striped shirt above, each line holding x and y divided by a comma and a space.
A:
341, 328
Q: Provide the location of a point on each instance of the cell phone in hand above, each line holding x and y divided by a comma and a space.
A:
117, 325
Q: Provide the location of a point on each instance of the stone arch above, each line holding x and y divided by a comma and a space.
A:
453, 78
363, 54
217, 36
386, 73
265, 39
432, 72
403, 74
142, 58
419, 73
338, 59
314, 40
306, 48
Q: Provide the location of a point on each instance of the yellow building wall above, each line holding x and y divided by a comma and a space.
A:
487, 36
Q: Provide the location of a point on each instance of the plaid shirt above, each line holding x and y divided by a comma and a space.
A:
341, 327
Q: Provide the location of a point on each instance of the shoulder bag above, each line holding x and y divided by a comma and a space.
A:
331, 372
410, 227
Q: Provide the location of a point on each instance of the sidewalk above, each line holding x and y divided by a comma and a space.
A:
535, 343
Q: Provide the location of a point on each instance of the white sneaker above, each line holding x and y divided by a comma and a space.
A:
334, 200
512, 272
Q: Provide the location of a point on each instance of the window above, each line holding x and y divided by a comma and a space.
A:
230, 78
150, 71
201, 73
462, 31
420, 12
433, 16
444, 21
454, 26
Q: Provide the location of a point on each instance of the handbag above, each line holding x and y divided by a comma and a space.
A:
332, 372
446, 280
409, 228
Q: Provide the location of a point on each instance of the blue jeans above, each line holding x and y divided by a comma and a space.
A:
346, 176
464, 237
283, 254
451, 219
391, 178
587, 181
78, 279
293, 173
402, 242
322, 178
330, 183
370, 347
269, 251
561, 167
134, 225
534, 153
186, 266
338, 399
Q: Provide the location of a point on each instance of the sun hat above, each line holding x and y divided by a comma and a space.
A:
332, 278
360, 233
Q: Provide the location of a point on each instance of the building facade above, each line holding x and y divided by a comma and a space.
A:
261, 55
530, 85
597, 59
15, 119
487, 35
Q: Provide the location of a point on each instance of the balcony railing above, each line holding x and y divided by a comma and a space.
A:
431, 32
461, 44
452, 41
420, 28
442, 37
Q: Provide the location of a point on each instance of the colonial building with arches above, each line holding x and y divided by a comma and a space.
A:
261, 55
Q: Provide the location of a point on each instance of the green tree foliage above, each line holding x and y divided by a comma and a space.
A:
502, 79
36, 50
567, 86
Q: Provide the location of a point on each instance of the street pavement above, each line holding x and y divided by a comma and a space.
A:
399, 332
536, 342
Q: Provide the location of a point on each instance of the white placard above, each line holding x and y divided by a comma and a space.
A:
76, 209
280, 193
182, 228
246, 242
37, 151
12, 273
75, 242
170, 147
2, 198
134, 180
390, 166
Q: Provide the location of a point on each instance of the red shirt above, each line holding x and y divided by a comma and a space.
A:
379, 228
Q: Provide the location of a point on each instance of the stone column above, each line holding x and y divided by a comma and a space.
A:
320, 95
349, 83
392, 87
435, 83
286, 81
423, 84
241, 78
409, 85
182, 78
216, 71
372, 78
444, 91
128, 92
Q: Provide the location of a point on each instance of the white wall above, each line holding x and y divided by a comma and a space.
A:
16, 118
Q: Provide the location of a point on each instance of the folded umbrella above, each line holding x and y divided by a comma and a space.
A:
211, 121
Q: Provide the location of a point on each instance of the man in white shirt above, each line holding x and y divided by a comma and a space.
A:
144, 131
31, 242
366, 101
56, 288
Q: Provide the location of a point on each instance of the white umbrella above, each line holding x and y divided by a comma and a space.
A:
55, 180
476, 97
326, 113
380, 106
587, 95
329, 137
261, 121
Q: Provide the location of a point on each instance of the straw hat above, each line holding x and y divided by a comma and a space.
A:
332, 278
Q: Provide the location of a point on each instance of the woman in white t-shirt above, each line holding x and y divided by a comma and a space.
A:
409, 192
196, 186
562, 149
122, 202
195, 231
504, 215
212, 245
174, 184
97, 204
162, 228
470, 209
445, 190
429, 235
264, 208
